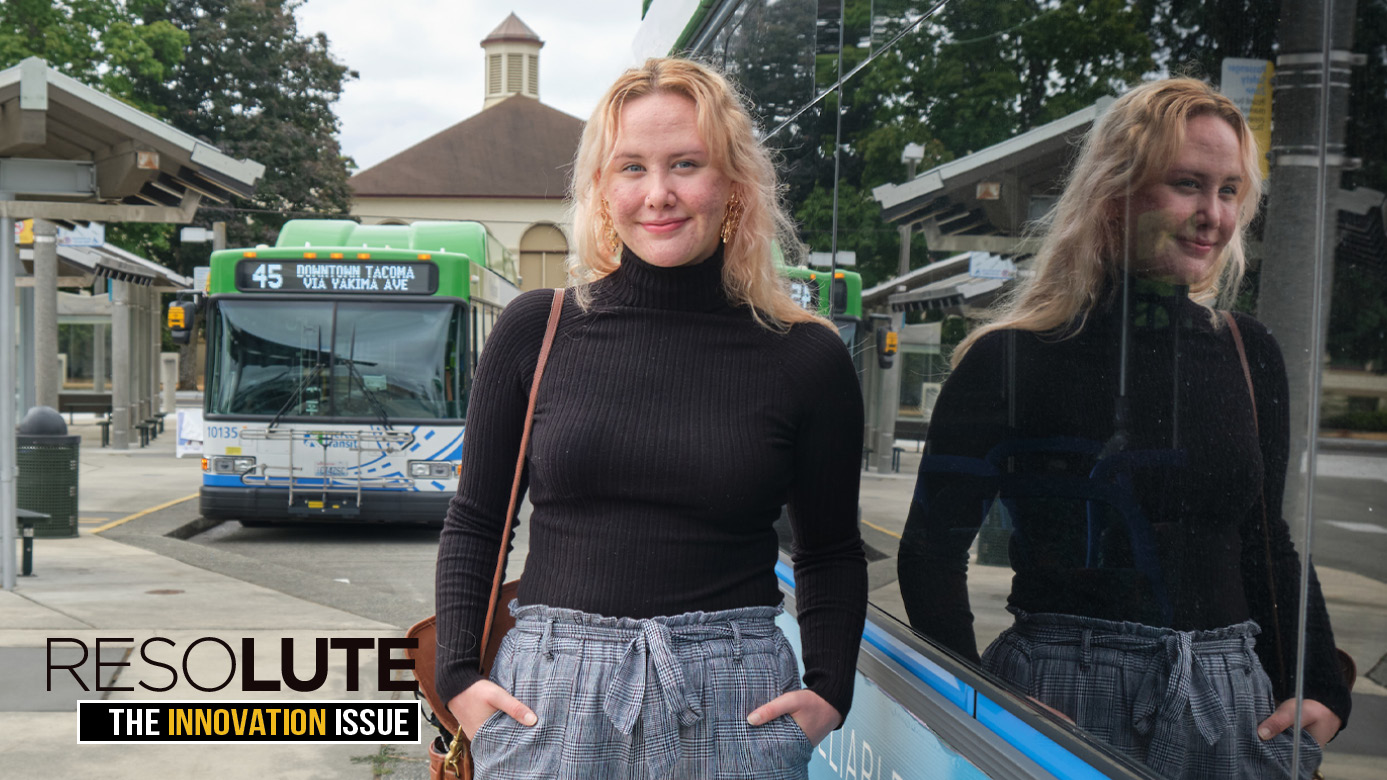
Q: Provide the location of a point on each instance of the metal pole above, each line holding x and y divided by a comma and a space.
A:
1297, 232
9, 467
46, 380
837, 151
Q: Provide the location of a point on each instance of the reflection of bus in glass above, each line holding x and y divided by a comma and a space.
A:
339, 364
836, 295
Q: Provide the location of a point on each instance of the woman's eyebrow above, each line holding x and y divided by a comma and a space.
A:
631, 155
1236, 178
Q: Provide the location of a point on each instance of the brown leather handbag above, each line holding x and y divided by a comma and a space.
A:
456, 764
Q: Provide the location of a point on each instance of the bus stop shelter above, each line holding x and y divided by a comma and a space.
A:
90, 272
69, 155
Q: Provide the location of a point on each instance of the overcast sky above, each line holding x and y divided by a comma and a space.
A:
420, 61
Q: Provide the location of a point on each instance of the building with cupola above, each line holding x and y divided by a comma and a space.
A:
506, 166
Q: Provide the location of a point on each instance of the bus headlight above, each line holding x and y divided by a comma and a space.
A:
227, 464
430, 469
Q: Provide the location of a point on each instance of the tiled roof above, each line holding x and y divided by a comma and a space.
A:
518, 148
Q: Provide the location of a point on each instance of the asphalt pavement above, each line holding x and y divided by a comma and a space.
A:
130, 575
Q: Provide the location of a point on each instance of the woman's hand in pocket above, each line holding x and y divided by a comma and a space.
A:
482, 699
1317, 719
815, 716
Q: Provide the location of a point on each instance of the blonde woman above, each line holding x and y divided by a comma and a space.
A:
686, 400
1106, 408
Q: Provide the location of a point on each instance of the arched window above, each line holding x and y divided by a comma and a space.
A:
542, 252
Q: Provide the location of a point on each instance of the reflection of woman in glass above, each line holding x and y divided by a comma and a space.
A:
1107, 408
686, 400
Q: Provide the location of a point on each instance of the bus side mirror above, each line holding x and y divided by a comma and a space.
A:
888, 340
838, 297
181, 318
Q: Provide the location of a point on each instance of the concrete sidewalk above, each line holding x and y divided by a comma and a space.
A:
91, 587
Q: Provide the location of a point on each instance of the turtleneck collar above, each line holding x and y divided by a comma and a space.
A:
1154, 304
639, 284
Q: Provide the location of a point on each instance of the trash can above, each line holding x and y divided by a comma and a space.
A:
47, 457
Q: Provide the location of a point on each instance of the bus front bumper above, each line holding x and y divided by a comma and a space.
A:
266, 505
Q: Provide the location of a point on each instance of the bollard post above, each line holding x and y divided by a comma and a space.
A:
26, 568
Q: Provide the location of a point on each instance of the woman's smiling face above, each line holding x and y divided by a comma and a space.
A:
1183, 221
665, 196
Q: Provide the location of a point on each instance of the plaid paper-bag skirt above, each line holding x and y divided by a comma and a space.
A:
659, 698
1185, 703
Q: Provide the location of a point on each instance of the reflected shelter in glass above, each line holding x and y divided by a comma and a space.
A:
1105, 418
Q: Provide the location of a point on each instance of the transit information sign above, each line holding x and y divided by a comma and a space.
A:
313, 276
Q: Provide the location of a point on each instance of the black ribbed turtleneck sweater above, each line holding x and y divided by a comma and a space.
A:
1204, 474
670, 428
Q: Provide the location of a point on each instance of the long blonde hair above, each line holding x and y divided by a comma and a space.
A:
1085, 235
749, 273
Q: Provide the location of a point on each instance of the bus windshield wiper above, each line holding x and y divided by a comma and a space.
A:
297, 392
354, 372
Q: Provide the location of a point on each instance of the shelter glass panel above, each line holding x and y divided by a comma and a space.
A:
1096, 460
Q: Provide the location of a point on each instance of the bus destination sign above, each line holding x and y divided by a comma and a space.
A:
357, 277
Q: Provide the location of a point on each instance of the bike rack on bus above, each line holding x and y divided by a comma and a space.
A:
383, 441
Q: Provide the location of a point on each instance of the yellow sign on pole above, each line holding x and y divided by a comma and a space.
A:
1247, 83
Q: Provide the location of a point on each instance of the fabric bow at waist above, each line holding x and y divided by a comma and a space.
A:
1186, 686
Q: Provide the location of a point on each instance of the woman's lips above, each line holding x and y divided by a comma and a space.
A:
1197, 246
664, 225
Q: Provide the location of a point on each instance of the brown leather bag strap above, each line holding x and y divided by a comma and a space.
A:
554, 310
1242, 358
1266, 527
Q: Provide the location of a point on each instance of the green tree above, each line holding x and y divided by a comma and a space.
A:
102, 43
1192, 37
975, 75
257, 89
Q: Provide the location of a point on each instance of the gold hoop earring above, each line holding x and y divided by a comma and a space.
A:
609, 229
732, 219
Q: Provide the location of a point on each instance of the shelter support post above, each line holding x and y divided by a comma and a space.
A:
46, 380
24, 302
155, 371
889, 406
9, 496
99, 358
168, 372
140, 331
120, 365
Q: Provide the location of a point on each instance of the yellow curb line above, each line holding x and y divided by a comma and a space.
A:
141, 513
867, 523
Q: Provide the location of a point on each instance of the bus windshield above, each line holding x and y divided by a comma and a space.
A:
348, 360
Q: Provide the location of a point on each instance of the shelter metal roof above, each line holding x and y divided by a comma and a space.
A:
985, 200
1038, 149
144, 169
79, 265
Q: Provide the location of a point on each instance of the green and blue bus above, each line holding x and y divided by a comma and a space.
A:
338, 369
